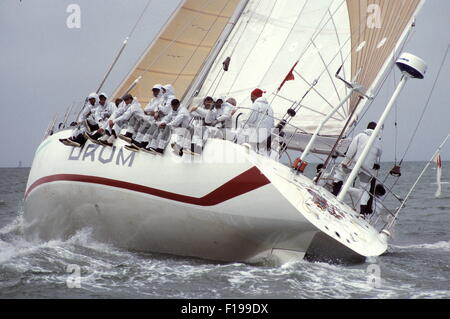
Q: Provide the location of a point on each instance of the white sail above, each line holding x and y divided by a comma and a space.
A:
179, 51
318, 37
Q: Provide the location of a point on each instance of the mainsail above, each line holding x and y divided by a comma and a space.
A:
299, 44
313, 39
180, 49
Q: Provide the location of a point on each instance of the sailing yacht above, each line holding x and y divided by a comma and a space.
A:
321, 62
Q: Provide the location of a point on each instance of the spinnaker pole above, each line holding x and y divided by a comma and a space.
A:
411, 67
124, 44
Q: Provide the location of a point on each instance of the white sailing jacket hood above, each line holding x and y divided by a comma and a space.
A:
165, 106
88, 108
155, 103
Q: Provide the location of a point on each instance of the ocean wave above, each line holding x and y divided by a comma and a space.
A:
442, 245
107, 270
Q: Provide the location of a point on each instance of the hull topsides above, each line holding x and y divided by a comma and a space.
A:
229, 204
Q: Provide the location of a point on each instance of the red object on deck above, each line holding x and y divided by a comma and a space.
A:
299, 165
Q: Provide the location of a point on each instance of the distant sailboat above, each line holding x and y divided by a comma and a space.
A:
321, 62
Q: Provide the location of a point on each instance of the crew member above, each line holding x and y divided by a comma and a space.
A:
260, 122
132, 107
368, 168
138, 118
102, 114
85, 120
178, 118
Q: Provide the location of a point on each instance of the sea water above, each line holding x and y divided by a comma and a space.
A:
417, 264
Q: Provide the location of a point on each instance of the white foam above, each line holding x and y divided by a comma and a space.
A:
442, 245
16, 226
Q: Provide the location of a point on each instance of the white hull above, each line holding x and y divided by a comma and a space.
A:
228, 205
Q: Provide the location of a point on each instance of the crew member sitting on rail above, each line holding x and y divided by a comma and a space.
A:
106, 130
178, 118
102, 114
147, 119
132, 107
85, 118
147, 132
216, 120
220, 116
153, 113
139, 118
157, 108
169, 95
198, 125
199, 112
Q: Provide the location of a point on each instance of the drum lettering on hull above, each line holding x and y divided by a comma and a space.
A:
104, 155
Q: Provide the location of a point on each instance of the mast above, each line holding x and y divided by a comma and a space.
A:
201, 77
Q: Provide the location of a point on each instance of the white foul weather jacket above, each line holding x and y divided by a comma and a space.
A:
165, 107
133, 109
356, 148
153, 105
178, 118
261, 115
220, 117
104, 112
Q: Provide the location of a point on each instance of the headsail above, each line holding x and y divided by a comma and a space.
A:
380, 36
313, 39
180, 49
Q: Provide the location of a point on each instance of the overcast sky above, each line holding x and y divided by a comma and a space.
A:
46, 66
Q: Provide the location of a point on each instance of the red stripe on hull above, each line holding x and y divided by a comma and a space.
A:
248, 181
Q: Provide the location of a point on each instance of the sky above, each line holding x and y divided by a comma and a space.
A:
45, 67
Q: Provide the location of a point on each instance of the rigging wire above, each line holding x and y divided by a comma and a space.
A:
386, 76
428, 101
139, 19
339, 52
203, 39
423, 114
119, 53
130, 34
232, 51
411, 31
315, 34
339, 44
181, 31
408, 37
253, 47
